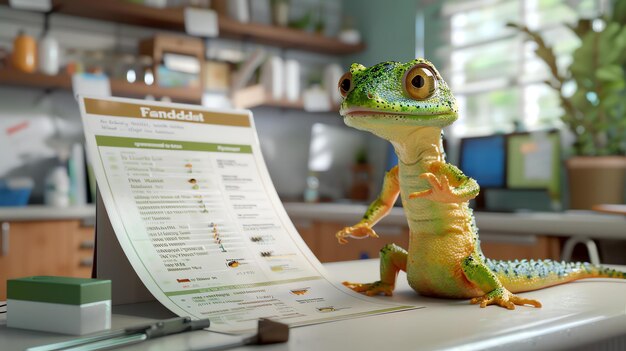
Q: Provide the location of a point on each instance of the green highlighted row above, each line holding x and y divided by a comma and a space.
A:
139, 143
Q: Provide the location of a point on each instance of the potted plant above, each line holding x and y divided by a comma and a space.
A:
595, 112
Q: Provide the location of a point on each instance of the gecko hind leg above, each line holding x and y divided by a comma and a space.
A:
392, 260
477, 272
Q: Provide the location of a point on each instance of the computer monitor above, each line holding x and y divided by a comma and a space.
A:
533, 161
483, 158
514, 171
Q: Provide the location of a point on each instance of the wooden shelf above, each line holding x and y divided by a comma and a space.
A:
35, 80
173, 19
118, 87
122, 88
286, 37
255, 95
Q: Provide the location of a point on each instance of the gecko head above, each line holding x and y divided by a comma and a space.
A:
396, 94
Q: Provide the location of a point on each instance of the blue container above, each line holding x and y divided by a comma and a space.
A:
15, 192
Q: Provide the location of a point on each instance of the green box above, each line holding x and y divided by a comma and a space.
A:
64, 290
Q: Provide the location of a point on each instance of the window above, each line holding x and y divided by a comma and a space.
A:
494, 73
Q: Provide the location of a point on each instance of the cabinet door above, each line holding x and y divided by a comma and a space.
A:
510, 247
84, 243
37, 248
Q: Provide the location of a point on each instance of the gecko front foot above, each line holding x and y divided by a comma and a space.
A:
447, 185
359, 231
371, 289
440, 190
504, 298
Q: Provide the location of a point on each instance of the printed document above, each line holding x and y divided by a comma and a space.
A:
194, 209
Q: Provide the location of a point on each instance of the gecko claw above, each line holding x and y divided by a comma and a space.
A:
371, 289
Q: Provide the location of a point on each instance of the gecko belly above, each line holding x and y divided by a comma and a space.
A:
434, 266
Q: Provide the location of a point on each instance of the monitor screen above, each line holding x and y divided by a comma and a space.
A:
483, 158
533, 161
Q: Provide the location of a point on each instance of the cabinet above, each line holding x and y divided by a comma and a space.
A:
527, 246
320, 237
29, 248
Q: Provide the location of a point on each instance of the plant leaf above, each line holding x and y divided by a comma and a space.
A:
610, 73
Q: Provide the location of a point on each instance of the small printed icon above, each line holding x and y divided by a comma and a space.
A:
326, 309
216, 237
194, 183
233, 263
189, 167
299, 292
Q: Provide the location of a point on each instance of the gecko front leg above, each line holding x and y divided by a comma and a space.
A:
448, 184
478, 273
392, 257
376, 210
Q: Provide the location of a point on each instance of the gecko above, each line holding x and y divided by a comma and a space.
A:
409, 104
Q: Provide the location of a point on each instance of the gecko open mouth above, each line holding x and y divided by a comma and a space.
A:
361, 111
356, 112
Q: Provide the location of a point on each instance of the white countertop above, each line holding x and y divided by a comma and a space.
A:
572, 316
45, 213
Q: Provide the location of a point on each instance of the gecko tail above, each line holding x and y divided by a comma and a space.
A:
606, 272
526, 275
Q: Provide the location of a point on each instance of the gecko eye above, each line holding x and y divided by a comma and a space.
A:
345, 84
419, 82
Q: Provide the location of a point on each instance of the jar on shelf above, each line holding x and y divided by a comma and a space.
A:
94, 62
128, 69
24, 57
73, 61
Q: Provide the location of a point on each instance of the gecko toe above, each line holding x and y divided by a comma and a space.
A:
503, 298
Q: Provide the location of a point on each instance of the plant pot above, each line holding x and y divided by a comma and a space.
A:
596, 180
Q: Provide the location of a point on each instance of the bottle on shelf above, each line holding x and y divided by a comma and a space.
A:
48, 55
24, 57
57, 188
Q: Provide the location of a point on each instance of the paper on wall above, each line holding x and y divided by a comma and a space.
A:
91, 84
538, 157
194, 210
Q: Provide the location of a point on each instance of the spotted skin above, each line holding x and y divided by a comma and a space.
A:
443, 258
525, 275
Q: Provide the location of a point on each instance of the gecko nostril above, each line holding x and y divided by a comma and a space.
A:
370, 95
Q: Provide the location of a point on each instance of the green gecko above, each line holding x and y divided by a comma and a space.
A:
408, 104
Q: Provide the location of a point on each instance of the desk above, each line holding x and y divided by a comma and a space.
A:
573, 316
